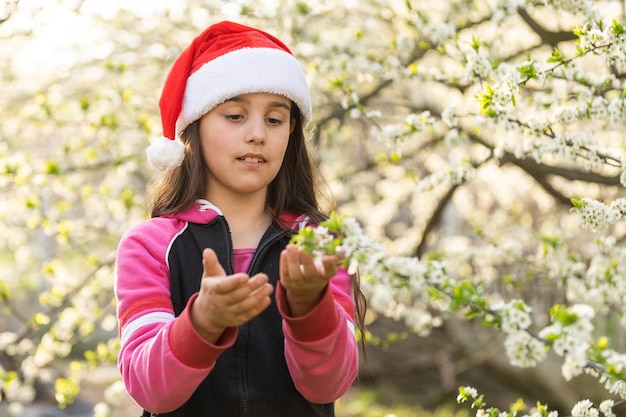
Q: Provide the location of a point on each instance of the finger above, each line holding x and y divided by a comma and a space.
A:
238, 287
330, 266
229, 285
284, 265
256, 295
254, 303
291, 264
308, 268
211, 265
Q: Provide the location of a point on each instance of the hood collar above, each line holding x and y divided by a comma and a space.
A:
203, 212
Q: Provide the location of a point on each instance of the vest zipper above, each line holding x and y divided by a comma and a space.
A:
263, 245
243, 329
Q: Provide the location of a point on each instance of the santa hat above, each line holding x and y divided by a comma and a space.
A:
224, 61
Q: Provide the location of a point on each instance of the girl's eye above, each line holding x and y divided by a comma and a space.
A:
234, 116
273, 121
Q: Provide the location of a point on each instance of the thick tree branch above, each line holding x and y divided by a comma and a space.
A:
435, 219
571, 174
547, 37
10, 6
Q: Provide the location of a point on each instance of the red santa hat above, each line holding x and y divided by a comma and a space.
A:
224, 61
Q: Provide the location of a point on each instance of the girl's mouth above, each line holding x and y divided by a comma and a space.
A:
251, 159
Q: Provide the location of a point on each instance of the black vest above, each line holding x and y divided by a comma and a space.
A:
250, 379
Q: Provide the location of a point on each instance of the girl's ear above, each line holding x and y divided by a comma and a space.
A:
293, 125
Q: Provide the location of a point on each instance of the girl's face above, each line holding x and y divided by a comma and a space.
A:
243, 144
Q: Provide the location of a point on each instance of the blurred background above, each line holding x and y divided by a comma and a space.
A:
400, 139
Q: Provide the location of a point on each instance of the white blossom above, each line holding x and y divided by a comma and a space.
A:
448, 116
102, 410
523, 350
477, 66
571, 368
584, 408
439, 32
606, 407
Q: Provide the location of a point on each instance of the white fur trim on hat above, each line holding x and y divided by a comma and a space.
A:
244, 71
166, 153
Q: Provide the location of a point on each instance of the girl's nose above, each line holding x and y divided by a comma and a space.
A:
256, 130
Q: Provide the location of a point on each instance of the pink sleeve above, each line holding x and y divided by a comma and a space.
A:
162, 359
320, 347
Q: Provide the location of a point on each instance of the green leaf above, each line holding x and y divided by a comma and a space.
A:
302, 8
618, 29
476, 43
84, 103
66, 391
560, 314
578, 204
53, 168
556, 57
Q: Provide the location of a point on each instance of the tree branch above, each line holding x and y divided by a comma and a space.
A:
10, 7
544, 170
547, 37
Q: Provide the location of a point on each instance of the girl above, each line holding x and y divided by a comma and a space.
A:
218, 314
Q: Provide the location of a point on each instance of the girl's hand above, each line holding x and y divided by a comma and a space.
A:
304, 278
227, 301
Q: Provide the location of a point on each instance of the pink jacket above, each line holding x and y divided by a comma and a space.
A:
163, 359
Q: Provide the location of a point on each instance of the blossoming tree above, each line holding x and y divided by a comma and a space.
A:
475, 148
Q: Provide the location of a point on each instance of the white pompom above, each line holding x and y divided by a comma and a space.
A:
166, 153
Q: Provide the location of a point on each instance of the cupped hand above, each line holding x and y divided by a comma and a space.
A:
227, 300
304, 278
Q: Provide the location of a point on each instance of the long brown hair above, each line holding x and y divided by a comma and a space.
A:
295, 189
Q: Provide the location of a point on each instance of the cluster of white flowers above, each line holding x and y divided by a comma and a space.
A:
393, 285
584, 7
420, 321
360, 248
101, 409
595, 215
504, 94
606, 407
404, 41
349, 100
504, 8
15, 389
322, 237
448, 116
521, 347
412, 124
115, 393
617, 110
478, 67
439, 32
523, 350
605, 43
612, 385
572, 339
585, 408
419, 122
600, 285
467, 393
445, 178
566, 115
380, 297
515, 315
572, 145
615, 360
